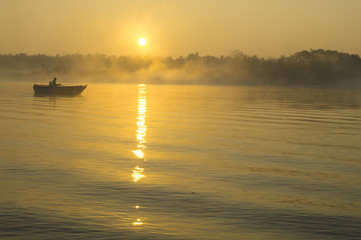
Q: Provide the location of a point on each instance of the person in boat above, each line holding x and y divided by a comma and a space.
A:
54, 82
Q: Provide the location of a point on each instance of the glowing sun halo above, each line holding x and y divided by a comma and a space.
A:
142, 41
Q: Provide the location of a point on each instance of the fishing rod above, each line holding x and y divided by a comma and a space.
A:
64, 81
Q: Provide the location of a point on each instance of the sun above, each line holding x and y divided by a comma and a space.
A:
142, 41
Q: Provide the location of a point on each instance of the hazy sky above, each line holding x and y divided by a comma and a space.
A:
267, 28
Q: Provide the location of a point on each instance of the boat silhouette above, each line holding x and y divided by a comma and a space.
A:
56, 89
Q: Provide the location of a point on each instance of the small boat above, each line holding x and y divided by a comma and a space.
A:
55, 89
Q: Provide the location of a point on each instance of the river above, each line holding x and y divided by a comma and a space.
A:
180, 162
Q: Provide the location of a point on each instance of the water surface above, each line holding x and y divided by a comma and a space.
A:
180, 162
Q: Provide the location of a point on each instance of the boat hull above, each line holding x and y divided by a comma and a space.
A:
46, 90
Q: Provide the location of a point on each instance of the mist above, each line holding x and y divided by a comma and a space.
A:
315, 68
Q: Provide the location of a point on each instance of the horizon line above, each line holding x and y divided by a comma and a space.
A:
169, 56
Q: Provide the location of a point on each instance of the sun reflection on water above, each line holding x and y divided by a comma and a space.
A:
141, 132
139, 153
137, 173
138, 222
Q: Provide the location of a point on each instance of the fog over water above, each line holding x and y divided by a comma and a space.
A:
313, 68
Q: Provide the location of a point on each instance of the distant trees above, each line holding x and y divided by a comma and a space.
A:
306, 68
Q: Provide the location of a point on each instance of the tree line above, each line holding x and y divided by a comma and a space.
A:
306, 68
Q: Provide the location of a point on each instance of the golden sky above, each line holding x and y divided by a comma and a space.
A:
267, 28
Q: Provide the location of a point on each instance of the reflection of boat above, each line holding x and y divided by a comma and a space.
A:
58, 90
